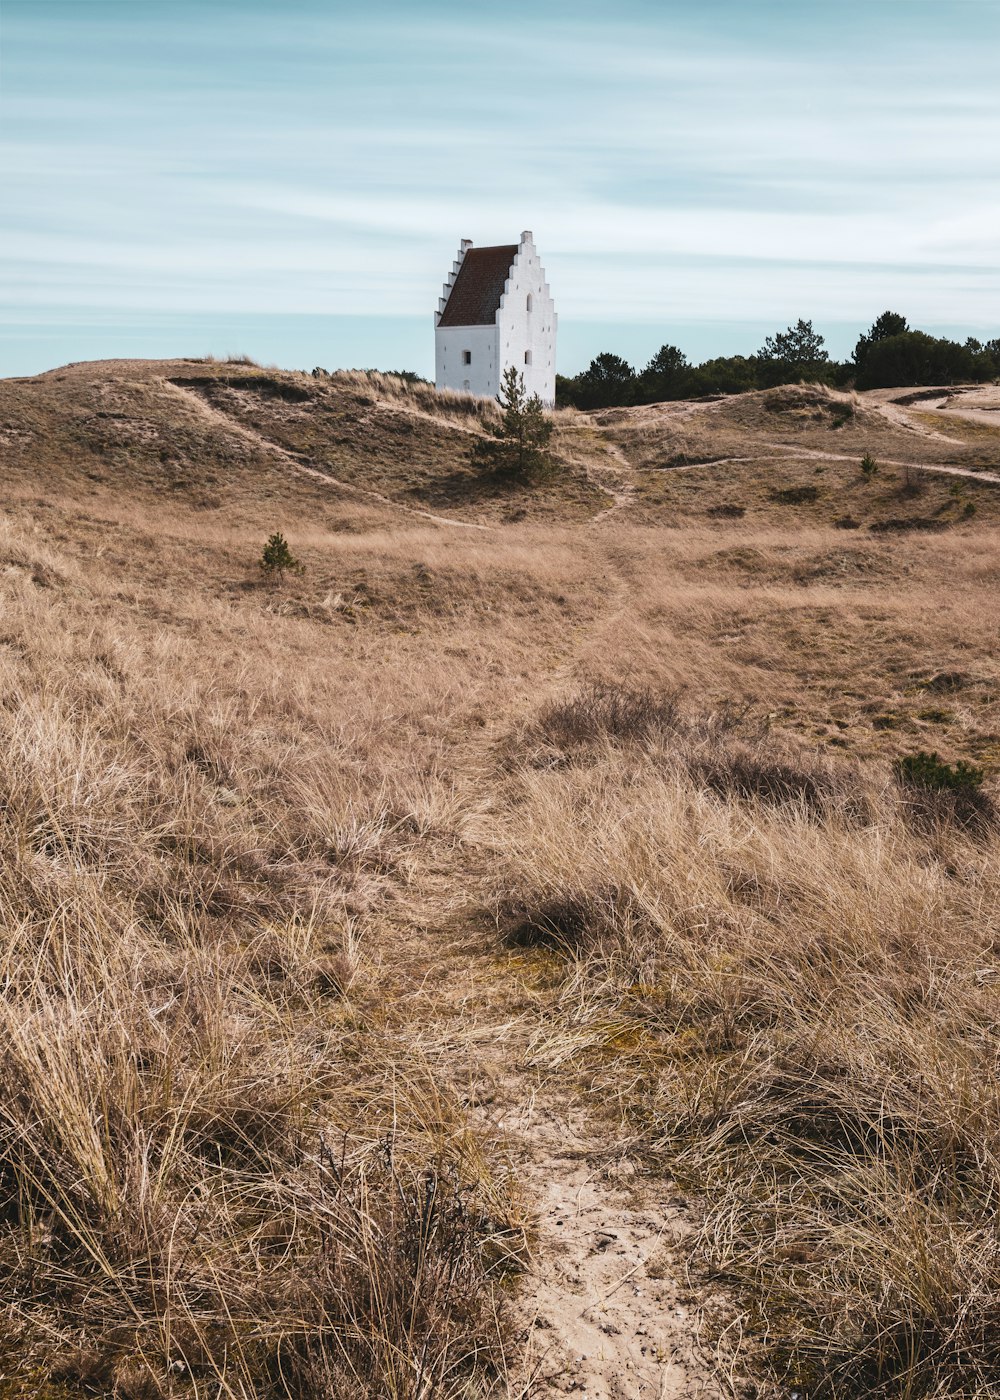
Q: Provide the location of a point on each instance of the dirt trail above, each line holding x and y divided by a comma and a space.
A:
602, 462
304, 468
602, 1308
814, 453
898, 417
781, 450
979, 404
615, 482
603, 1313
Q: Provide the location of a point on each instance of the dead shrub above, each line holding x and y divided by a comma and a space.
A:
902, 524
572, 922
944, 682
795, 495
727, 751
619, 713
753, 775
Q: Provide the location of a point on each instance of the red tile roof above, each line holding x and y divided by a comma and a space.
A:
475, 296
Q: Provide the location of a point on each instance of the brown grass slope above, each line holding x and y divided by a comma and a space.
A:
207, 435
305, 889
799, 448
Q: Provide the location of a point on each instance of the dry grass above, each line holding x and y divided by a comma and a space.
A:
247, 835
223, 1169
419, 395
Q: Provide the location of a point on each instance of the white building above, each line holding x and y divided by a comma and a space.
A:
495, 311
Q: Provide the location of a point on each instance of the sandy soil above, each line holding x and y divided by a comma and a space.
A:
603, 1310
977, 404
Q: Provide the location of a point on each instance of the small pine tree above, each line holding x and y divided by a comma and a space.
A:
517, 448
277, 559
926, 770
869, 466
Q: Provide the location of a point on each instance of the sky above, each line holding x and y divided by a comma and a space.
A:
290, 178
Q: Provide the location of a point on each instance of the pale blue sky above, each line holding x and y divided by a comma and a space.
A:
290, 178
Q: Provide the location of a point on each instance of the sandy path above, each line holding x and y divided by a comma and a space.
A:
813, 453
614, 481
602, 1311
601, 1306
782, 451
597, 1318
988, 416
898, 417
978, 404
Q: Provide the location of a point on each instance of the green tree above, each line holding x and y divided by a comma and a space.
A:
566, 391
913, 358
890, 323
277, 559
793, 354
518, 446
607, 382
727, 374
666, 375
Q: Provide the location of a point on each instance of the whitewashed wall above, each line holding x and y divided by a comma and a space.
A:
518, 331
481, 376
533, 331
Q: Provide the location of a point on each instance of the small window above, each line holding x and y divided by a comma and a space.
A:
527, 357
529, 301
466, 385
466, 357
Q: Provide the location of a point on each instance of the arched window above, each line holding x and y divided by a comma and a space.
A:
529, 301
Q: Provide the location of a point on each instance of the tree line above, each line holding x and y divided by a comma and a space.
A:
889, 355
